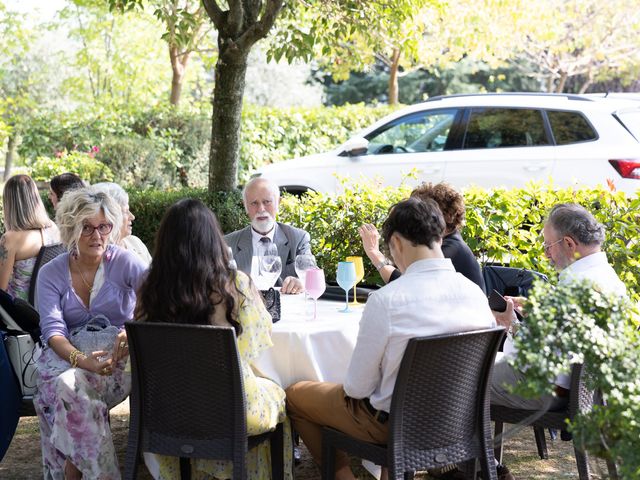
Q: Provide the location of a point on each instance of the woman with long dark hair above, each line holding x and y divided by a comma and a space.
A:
190, 282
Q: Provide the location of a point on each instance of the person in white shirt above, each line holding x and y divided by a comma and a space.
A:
572, 243
430, 298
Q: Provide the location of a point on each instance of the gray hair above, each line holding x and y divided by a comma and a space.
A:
79, 205
23, 207
115, 191
270, 185
573, 220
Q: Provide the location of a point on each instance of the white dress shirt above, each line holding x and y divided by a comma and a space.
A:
594, 267
430, 298
256, 244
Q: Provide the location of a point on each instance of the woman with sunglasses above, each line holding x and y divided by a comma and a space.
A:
95, 278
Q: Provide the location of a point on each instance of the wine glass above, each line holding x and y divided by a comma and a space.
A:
232, 261
346, 277
270, 269
315, 286
357, 261
303, 263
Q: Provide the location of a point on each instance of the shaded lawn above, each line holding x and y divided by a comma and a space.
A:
22, 461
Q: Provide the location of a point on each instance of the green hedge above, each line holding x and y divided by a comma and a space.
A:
150, 205
164, 147
502, 226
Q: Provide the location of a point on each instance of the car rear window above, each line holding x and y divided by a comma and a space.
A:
505, 127
631, 120
570, 127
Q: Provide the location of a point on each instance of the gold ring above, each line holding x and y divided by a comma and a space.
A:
105, 370
123, 345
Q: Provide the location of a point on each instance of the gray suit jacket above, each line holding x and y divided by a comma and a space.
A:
291, 241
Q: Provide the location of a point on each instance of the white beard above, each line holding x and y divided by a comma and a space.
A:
263, 225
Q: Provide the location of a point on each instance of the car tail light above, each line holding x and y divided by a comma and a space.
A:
627, 168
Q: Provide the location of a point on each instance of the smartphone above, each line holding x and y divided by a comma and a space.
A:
498, 303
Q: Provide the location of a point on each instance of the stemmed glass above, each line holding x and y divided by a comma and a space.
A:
315, 286
270, 266
357, 261
303, 263
346, 277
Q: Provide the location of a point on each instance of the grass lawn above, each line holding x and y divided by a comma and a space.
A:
22, 461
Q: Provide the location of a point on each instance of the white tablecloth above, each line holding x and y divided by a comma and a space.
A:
307, 349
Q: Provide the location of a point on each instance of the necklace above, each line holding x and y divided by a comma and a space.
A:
84, 280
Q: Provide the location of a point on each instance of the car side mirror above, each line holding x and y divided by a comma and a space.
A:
356, 146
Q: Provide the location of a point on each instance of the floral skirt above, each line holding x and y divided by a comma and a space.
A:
73, 409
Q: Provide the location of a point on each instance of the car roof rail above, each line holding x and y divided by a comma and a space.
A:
568, 96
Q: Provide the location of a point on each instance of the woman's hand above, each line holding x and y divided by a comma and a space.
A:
121, 347
371, 242
98, 362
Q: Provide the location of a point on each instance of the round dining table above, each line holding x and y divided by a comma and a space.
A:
308, 349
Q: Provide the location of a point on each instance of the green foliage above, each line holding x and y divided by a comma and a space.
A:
466, 76
577, 323
502, 226
83, 164
163, 146
149, 206
333, 221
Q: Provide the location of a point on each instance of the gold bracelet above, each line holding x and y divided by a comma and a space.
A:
73, 357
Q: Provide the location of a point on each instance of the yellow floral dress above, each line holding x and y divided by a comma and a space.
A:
265, 401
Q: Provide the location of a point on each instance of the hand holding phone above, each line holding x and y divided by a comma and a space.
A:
498, 303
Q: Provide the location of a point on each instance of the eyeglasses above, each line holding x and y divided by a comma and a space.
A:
103, 229
547, 246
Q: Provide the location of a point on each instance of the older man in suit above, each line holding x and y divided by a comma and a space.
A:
261, 201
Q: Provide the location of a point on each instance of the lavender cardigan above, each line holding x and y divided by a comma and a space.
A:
62, 310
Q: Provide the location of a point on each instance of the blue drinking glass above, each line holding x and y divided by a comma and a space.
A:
346, 277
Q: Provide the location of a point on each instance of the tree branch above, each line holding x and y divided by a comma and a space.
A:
261, 28
215, 13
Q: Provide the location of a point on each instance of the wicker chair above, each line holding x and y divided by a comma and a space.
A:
188, 399
45, 255
580, 400
439, 409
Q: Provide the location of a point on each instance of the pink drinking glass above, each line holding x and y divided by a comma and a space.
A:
315, 286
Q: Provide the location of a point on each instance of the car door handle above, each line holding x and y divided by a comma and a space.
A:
429, 170
536, 167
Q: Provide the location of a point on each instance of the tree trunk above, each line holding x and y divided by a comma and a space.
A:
561, 82
231, 69
393, 77
178, 69
12, 143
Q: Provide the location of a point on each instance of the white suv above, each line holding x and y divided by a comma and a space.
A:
489, 140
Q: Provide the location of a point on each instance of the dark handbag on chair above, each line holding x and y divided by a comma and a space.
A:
271, 300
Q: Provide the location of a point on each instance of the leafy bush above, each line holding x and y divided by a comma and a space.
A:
502, 226
149, 207
576, 323
83, 164
164, 146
